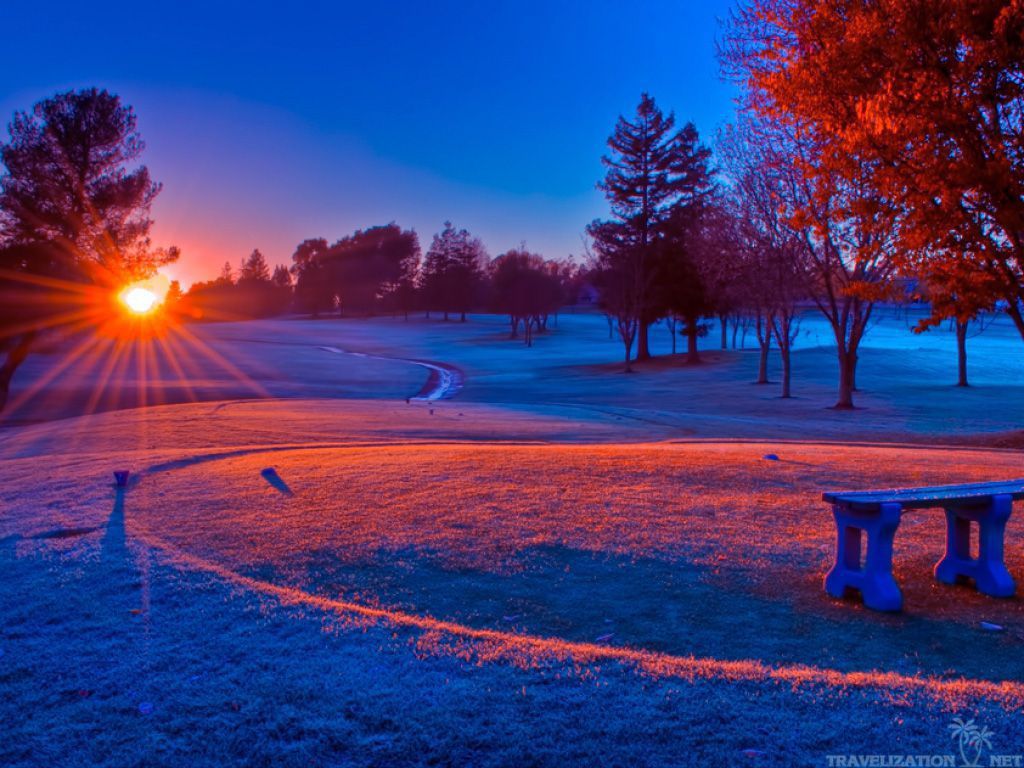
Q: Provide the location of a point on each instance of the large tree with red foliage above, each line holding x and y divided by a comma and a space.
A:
928, 94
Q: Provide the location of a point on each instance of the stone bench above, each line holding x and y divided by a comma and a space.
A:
875, 515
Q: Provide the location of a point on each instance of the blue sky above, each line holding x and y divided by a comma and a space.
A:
269, 123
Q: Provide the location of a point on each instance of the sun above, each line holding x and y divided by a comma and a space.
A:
138, 299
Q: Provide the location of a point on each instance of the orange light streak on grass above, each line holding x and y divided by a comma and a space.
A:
479, 506
480, 646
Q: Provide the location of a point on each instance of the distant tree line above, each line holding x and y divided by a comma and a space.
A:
381, 270
252, 291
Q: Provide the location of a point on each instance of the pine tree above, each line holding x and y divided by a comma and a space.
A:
89, 226
227, 275
254, 269
452, 270
653, 171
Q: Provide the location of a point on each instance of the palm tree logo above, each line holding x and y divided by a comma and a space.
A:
970, 736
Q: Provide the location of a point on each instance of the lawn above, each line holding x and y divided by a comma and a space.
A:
461, 584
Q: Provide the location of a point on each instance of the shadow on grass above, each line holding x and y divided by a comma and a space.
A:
672, 607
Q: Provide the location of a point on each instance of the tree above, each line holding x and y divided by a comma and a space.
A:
690, 239
74, 217
621, 285
368, 266
453, 271
958, 292
227, 275
652, 170
314, 293
173, 297
768, 261
254, 269
848, 228
930, 97
281, 282
526, 288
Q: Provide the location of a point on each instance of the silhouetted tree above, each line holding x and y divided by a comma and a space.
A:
254, 269
453, 271
368, 266
314, 292
527, 289
652, 170
173, 297
692, 241
74, 217
618, 275
227, 275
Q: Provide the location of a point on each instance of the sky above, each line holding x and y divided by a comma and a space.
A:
268, 123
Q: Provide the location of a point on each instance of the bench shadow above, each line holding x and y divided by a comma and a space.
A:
674, 607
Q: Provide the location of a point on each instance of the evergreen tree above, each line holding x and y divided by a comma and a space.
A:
254, 269
227, 275
654, 171
453, 270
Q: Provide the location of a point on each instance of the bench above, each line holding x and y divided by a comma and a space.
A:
876, 515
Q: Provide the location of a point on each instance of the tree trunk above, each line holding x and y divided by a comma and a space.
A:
724, 321
692, 355
15, 357
672, 332
786, 370
764, 340
643, 350
961, 353
735, 330
783, 330
463, 318
847, 371
762, 361
446, 315
627, 333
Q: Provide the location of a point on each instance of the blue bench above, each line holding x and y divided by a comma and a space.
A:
875, 515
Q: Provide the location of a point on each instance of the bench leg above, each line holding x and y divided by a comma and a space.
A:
988, 570
874, 581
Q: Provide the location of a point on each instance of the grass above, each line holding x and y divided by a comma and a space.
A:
452, 603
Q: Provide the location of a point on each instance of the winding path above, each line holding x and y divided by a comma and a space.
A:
443, 383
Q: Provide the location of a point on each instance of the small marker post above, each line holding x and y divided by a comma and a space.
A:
121, 478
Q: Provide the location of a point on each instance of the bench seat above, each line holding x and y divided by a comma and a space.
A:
875, 515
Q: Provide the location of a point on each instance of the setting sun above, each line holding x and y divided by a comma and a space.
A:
139, 300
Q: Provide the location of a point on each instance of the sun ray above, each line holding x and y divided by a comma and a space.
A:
170, 355
194, 342
82, 348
